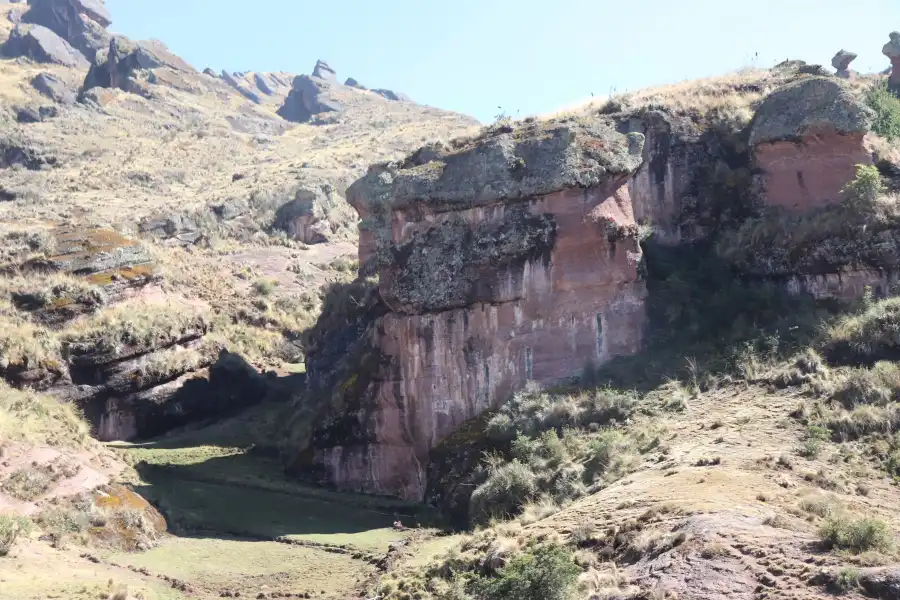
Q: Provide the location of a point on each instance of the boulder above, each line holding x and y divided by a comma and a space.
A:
54, 88
27, 115
892, 51
82, 23
308, 97
841, 62
42, 45
323, 71
304, 218
806, 140
231, 209
174, 230
503, 259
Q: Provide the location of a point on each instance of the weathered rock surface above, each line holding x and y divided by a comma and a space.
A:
308, 97
305, 217
509, 258
175, 230
42, 45
132, 66
323, 71
892, 51
54, 88
82, 23
841, 62
392, 95
807, 139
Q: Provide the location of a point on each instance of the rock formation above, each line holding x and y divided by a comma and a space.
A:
42, 45
807, 139
841, 62
54, 88
82, 23
129, 66
323, 71
242, 89
509, 258
308, 97
305, 217
892, 51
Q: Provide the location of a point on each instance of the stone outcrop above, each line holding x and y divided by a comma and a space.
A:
131, 66
82, 23
892, 51
42, 45
323, 71
806, 139
308, 97
507, 258
841, 62
242, 89
306, 217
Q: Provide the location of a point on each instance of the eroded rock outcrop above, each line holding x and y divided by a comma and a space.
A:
133, 66
892, 51
807, 139
82, 23
841, 63
308, 97
42, 45
507, 258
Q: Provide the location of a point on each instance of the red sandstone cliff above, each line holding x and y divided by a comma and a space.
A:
514, 257
508, 258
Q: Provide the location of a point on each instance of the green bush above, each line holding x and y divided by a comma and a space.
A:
508, 488
857, 536
866, 188
541, 573
11, 527
887, 111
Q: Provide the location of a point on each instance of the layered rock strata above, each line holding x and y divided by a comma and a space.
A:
807, 139
510, 258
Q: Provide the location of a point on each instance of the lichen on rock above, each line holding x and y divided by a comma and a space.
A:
806, 105
441, 268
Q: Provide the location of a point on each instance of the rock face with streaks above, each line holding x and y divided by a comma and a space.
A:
82, 23
806, 140
504, 259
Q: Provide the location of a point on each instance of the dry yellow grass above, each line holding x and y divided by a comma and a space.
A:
37, 419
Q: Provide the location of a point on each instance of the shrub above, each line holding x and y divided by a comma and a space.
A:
11, 527
264, 287
878, 386
541, 573
866, 188
856, 535
847, 579
508, 487
887, 111
28, 483
867, 336
60, 523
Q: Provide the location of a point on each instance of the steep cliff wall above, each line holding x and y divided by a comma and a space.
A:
508, 258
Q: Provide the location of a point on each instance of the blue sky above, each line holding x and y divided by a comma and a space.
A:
526, 56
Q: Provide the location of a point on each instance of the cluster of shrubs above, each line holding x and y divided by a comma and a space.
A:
558, 447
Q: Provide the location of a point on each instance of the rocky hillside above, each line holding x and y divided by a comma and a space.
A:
129, 176
645, 348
